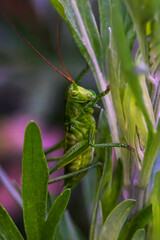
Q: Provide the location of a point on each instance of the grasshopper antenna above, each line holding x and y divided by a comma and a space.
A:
67, 76
59, 52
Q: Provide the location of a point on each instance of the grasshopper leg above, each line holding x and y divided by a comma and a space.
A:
69, 175
70, 155
111, 144
104, 145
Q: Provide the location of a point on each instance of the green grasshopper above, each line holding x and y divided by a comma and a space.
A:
80, 127
79, 141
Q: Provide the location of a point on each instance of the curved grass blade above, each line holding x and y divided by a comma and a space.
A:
151, 151
141, 12
55, 214
155, 200
34, 182
139, 235
106, 175
129, 69
104, 12
59, 7
116, 220
138, 221
8, 229
110, 199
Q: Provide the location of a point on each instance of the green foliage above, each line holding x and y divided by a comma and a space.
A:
34, 182
110, 196
139, 235
133, 113
35, 177
115, 221
131, 92
155, 200
8, 229
55, 215
138, 221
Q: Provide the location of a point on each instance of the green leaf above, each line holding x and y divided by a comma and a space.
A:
141, 12
151, 151
138, 221
103, 135
125, 56
34, 182
88, 192
128, 25
116, 220
105, 181
55, 215
104, 12
67, 230
57, 4
139, 235
109, 201
129, 108
79, 14
8, 229
155, 200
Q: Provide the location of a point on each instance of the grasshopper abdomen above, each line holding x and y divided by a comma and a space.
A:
79, 124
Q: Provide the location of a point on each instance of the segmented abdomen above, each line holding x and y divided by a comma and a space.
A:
77, 130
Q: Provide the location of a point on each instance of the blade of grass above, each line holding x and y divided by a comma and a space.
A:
55, 215
34, 182
8, 229
138, 221
139, 235
155, 200
116, 220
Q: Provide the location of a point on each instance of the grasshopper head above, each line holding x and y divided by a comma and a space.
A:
79, 94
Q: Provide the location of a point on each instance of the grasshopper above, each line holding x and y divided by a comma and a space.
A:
80, 126
79, 141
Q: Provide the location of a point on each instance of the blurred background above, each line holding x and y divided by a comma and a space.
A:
32, 90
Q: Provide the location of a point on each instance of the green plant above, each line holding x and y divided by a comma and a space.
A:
132, 117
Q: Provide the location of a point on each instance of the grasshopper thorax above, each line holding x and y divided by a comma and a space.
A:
79, 94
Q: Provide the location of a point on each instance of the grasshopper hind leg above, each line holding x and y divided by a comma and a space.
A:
110, 144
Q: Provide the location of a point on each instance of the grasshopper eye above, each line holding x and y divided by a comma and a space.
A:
74, 93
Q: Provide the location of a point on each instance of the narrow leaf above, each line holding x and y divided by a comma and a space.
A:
151, 151
8, 229
105, 181
141, 12
125, 57
109, 201
139, 235
138, 221
34, 182
155, 200
59, 7
55, 215
116, 220
104, 12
